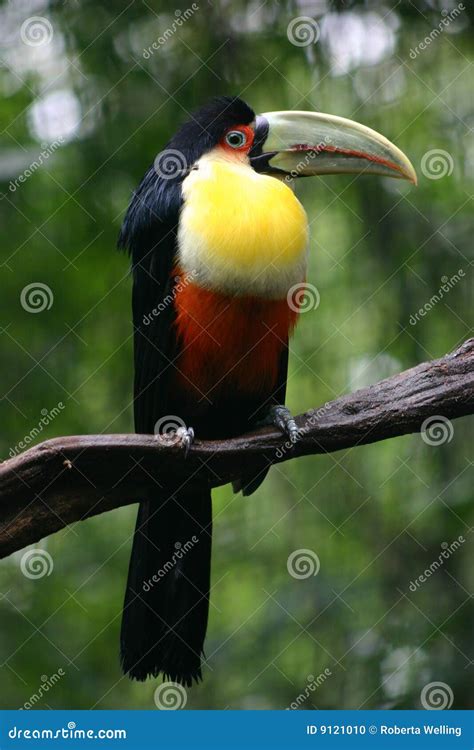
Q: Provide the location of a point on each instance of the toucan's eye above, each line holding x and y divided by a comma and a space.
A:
236, 138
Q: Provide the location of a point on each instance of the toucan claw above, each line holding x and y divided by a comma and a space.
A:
185, 436
281, 417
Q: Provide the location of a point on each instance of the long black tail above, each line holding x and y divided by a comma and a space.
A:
167, 597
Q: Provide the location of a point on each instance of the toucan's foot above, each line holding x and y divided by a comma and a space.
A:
281, 417
185, 437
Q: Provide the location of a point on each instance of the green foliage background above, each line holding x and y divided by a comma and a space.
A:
376, 516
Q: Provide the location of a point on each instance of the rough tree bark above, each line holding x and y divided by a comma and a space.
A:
68, 479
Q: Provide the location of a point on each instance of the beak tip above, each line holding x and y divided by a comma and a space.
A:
412, 177
343, 146
407, 170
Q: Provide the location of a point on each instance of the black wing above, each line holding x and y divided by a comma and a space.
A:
163, 628
279, 395
149, 233
251, 482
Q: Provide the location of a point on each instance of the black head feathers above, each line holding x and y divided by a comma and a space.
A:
157, 200
208, 125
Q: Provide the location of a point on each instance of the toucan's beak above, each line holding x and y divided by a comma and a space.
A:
300, 144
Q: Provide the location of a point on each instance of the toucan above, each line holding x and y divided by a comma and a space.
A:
217, 240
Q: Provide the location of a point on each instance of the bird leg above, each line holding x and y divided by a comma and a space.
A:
185, 437
281, 417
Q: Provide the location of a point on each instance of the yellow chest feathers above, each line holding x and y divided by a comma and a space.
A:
240, 232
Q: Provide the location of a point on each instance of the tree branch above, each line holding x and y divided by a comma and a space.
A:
68, 479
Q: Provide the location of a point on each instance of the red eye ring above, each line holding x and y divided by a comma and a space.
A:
238, 138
